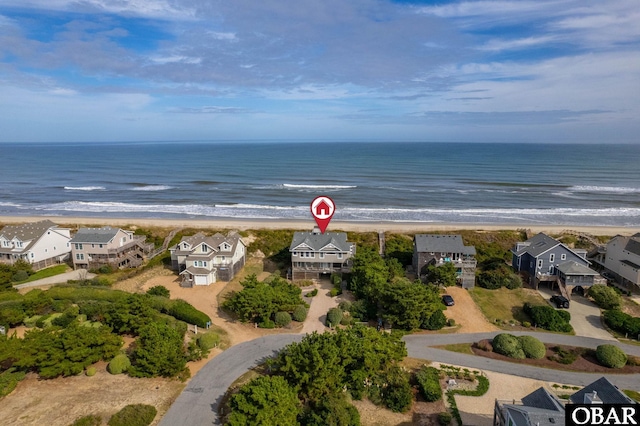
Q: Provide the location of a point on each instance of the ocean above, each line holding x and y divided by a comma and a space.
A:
399, 182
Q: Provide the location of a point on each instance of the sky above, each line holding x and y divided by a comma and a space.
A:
373, 70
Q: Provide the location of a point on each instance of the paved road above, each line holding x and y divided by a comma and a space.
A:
198, 403
58, 279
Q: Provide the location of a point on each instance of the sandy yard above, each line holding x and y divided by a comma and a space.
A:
466, 313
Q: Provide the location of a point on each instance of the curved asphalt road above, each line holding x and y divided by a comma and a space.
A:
198, 403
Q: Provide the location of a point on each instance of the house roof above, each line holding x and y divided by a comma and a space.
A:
95, 235
214, 241
606, 391
633, 245
574, 268
197, 271
317, 241
537, 245
442, 244
28, 231
542, 398
526, 416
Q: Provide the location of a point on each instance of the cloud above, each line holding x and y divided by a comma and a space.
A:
210, 110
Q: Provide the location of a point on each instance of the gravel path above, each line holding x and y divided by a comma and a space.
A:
319, 306
57, 279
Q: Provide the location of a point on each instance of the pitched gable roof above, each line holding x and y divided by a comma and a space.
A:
442, 244
537, 245
95, 235
28, 231
214, 242
633, 245
606, 391
574, 268
317, 241
542, 398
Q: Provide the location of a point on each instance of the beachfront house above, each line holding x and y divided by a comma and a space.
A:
542, 408
203, 260
545, 259
42, 244
433, 249
620, 258
92, 248
314, 254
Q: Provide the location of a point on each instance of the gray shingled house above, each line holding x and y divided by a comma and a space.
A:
542, 408
545, 259
42, 244
621, 259
314, 254
433, 249
94, 247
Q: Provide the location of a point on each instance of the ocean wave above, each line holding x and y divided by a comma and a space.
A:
294, 186
84, 188
611, 189
152, 188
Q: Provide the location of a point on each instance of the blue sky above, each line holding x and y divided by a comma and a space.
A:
469, 71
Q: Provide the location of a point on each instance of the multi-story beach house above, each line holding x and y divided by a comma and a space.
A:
621, 260
542, 408
314, 254
42, 244
433, 249
92, 248
203, 260
545, 259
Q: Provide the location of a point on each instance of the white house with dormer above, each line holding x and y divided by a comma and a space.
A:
203, 260
42, 244
314, 254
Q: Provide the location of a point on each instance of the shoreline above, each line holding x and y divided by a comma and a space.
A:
353, 226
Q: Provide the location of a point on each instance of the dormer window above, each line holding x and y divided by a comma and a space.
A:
19, 244
205, 248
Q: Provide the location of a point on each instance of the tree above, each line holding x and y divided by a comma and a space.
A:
129, 315
267, 400
332, 410
406, 305
444, 275
159, 352
159, 290
605, 297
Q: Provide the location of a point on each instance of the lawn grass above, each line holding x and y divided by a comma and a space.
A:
462, 348
503, 304
46, 273
632, 394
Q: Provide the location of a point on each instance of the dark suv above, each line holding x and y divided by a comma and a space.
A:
560, 301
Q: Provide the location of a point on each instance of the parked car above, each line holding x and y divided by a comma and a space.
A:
448, 300
560, 301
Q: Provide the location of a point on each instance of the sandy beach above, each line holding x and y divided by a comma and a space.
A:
247, 224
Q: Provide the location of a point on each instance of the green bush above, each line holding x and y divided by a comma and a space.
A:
334, 292
300, 313
444, 418
90, 371
622, 323
12, 315
282, 319
183, 311
334, 316
548, 318
90, 420
208, 340
532, 347
451, 322
435, 321
105, 269
605, 297
313, 292
9, 380
159, 290
20, 276
267, 323
345, 306
611, 356
119, 364
508, 345
134, 415
397, 394
429, 383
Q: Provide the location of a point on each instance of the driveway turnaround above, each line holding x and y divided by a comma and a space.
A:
199, 402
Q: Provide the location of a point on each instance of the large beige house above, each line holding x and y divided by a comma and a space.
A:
94, 247
42, 244
314, 254
203, 260
621, 259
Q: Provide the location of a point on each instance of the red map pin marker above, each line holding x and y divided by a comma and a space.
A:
322, 209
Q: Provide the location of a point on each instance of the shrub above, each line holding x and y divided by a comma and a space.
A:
508, 345
90, 420
208, 340
300, 313
313, 292
159, 290
105, 269
435, 321
444, 418
134, 415
549, 318
605, 297
345, 305
334, 316
622, 323
282, 319
334, 292
267, 323
12, 315
429, 383
90, 371
336, 280
611, 356
179, 309
119, 364
526, 324
532, 347
397, 395
451, 322
20, 276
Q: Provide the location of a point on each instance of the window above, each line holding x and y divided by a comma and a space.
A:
93, 246
563, 257
552, 257
339, 255
124, 240
32, 255
539, 263
45, 250
19, 244
5, 244
78, 246
79, 256
321, 255
204, 264
100, 245
205, 248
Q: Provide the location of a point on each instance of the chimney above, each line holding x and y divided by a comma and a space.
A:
592, 398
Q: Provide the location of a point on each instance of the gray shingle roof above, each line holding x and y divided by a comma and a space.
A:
213, 241
542, 398
537, 245
574, 268
633, 245
607, 392
95, 235
28, 231
317, 241
442, 244
527, 416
